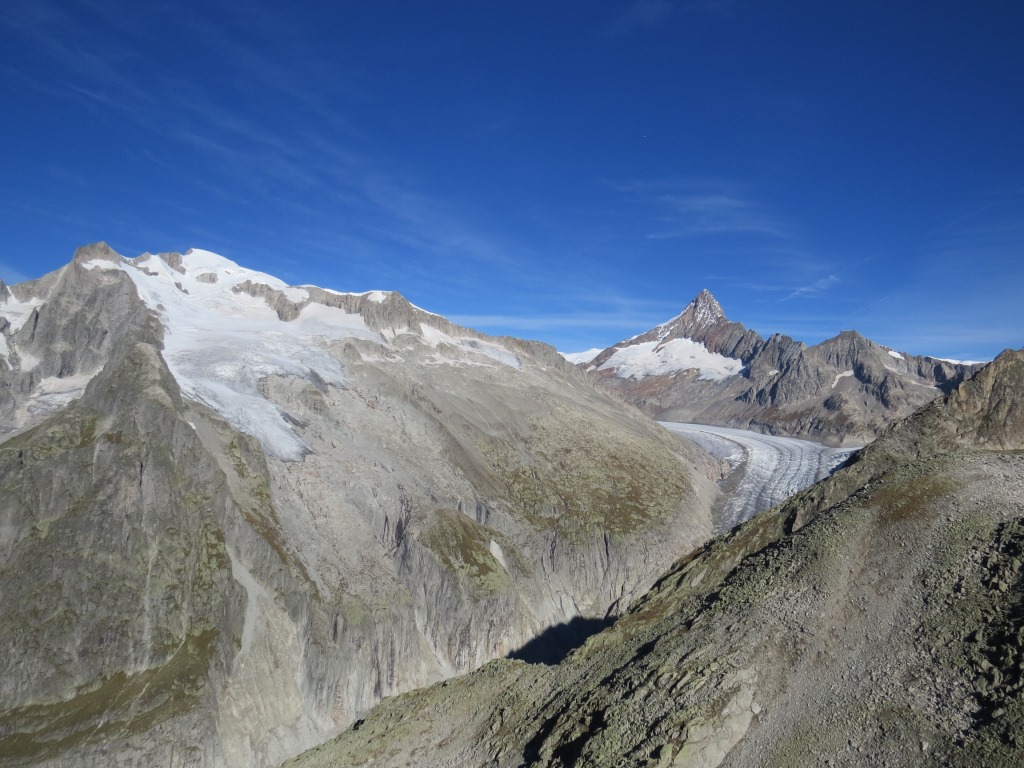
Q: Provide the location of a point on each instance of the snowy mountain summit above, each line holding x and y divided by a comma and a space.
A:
226, 327
699, 342
701, 367
703, 311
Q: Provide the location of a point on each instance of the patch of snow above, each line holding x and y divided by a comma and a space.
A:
581, 357
424, 311
774, 371
103, 264
219, 344
493, 351
435, 337
843, 375
653, 359
962, 362
28, 361
17, 312
897, 355
71, 386
4, 349
50, 395
295, 294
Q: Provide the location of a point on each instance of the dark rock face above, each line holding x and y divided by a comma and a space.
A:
845, 390
873, 619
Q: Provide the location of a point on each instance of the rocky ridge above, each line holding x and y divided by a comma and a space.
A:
873, 619
701, 367
234, 513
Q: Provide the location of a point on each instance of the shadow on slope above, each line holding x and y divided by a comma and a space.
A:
552, 645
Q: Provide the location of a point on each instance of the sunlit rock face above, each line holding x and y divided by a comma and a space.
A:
872, 619
234, 514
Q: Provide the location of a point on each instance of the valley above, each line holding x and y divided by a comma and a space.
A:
874, 618
769, 468
238, 517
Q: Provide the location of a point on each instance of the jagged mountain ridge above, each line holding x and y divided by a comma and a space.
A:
873, 619
234, 514
702, 367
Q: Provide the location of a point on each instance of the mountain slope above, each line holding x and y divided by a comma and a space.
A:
873, 619
701, 367
234, 514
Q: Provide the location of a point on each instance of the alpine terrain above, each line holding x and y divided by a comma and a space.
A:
701, 367
235, 514
876, 618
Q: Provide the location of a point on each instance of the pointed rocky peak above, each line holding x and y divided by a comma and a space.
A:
705, 322
699, 338
700, 316
705, 309
702, 313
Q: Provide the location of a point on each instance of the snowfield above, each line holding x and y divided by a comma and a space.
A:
581, 357
658, 358
220, 344
774, 468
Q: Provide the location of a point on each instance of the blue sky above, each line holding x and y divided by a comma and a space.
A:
573, 171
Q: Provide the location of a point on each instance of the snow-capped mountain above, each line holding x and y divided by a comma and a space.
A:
702, 367
234, 514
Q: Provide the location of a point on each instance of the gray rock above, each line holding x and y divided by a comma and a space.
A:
176, 595
811, 635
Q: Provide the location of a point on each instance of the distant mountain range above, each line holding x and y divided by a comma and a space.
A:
702, 367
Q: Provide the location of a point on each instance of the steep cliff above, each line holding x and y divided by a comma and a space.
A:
234, 514
873, 619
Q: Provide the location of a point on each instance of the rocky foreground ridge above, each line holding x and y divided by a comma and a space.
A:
876, 618
234, 514
701, 367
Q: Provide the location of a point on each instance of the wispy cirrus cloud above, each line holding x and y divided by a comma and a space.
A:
709, 214
642, 14
818, 286
576, 319
306, 159
687, 208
